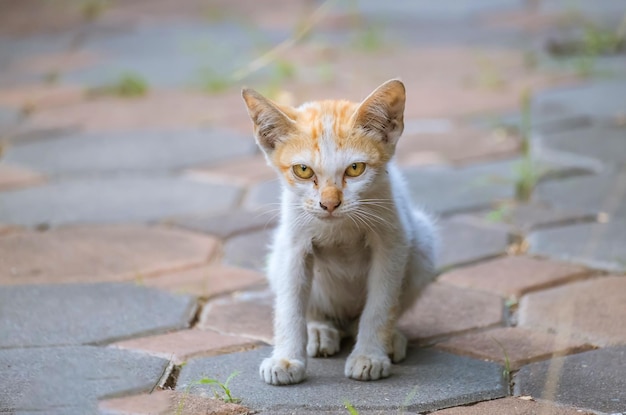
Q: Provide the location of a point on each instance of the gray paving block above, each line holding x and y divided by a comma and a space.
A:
113, 199
463, 243
119, 152
603, 142
604, 192
264, 195
74, 314
597, 245
248, 250
593, 380
426, 380
230, 223
69, 380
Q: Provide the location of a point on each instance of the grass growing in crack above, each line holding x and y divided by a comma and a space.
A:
498, 214
227, 395
128, 85
506, 372
526, 172
351, 409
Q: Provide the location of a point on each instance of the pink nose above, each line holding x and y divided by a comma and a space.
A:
330, 205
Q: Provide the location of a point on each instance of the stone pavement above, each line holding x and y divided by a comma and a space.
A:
134, 221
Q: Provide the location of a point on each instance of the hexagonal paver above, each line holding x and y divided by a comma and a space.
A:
513, 406
514, 276
573, 311
54, 315
230, 223
597, 245
604, 192
115, 152
208, 281
426, 380
99, 253
180, 346
463, 243
114, 199
69, 380
263, 195
243, 170
592, 380
248, 250
445, 309
518, 345
248, 314
13, 176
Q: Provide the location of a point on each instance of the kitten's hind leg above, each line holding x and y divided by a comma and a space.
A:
398, 347
323, 339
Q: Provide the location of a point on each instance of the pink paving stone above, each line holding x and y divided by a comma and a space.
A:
13, 177
58, 62
180, 346
513, 406
39, 97
7, 228
243, 171
522, 346
444, 310
168, 402
593, 311
248, 314
514, 276
207, 281
99, 253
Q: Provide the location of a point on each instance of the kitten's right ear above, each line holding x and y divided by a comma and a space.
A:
272, 124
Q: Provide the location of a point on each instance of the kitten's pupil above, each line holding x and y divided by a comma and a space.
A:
354, 166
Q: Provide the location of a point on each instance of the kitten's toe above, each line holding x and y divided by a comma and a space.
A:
398, 347
277, 371
324, 340
367, 366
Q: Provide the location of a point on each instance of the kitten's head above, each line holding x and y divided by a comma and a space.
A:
330, 153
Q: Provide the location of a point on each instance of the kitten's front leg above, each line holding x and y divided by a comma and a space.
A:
291, 280
375, 339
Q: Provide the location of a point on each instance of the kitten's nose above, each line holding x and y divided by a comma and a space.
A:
330, 205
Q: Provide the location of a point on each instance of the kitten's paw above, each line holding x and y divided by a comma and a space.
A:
277, 371
324, 340
398, 347
362, 366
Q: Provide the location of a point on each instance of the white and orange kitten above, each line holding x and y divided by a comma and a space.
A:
350, 253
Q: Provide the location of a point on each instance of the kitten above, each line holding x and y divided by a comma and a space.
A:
350, 253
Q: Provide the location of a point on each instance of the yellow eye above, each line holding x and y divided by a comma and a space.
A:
302, 171
355, 169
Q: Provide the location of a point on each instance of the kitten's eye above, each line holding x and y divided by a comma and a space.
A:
355, 169
302, 171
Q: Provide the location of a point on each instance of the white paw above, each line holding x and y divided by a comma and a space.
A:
277, 371
398, 346
324, 340
362, 366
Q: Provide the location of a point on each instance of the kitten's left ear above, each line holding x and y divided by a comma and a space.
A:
381, 114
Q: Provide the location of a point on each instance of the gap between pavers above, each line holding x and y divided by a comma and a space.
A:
513, 406
426, 380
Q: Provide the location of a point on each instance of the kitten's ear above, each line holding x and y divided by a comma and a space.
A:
272, 123
381, 114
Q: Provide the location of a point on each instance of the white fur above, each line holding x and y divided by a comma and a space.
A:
343, 275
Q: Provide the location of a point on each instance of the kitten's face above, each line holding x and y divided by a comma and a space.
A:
330, 152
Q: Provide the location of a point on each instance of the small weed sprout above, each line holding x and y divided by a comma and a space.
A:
227, 396
527, 175
351, 409
128, 85
506, 372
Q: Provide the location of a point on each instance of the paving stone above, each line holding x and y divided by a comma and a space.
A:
231, 223
168, 402
58, 315
99, 253
573, 311
426, 380
13, 176
463, 243
207, 281
599, 193
248, 250
180, 346
114, 199
248, 314
69, 380
514, 276
242, 170
603, 142
519, 345
445, 309
115, 152
592, 380
263, 195
39, 96
513, 406
597, 245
